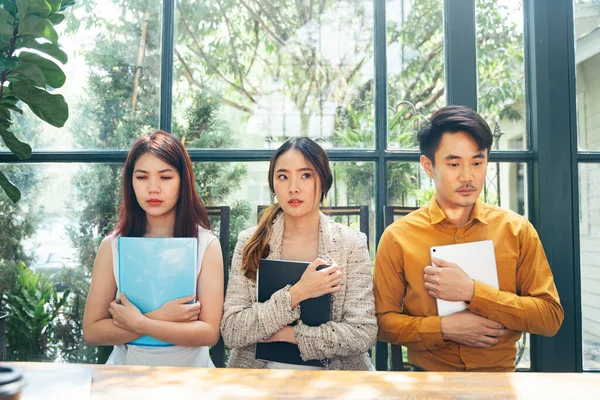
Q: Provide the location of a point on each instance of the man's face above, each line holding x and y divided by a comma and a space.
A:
459, 170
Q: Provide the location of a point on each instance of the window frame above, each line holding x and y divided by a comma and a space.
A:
551, 126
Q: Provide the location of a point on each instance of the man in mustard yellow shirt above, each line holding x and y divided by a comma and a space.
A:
455, 148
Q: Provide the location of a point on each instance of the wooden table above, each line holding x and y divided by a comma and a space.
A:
136, 382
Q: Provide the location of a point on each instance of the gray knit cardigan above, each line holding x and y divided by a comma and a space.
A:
344, 341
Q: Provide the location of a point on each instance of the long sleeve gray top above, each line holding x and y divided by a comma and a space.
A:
344, 341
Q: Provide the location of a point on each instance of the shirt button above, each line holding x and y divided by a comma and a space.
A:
458, 237
466, 356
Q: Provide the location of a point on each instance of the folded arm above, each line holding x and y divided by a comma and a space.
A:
101, 329
356, 333
245, 321
417, 333
536, 306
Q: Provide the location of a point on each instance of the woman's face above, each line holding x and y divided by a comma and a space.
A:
156, 185
296, 183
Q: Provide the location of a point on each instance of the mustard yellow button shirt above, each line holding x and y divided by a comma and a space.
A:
407, 315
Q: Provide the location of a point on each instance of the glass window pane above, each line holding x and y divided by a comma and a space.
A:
353, 185
589, 231
38, 237
112, 77
276, 70
587, 59
408, 185
505, 186
67, 209
415, 67
501, 71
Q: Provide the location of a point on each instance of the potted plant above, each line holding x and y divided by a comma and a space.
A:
29, 70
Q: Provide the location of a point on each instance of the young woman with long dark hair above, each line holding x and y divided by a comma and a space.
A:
294, 229
159, 199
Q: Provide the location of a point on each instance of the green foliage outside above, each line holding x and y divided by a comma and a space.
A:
33, 305
229, 56
254, 45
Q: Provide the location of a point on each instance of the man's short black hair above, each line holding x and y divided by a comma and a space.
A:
452, 119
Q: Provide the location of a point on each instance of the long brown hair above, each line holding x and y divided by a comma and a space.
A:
189, 211
258, 245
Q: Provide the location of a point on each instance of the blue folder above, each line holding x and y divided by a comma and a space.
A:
153, 271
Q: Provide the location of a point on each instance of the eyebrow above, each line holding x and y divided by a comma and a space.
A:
160, 172
301, 169
454, 157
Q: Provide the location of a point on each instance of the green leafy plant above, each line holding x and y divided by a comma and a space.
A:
8, 277
33, 306
26, 32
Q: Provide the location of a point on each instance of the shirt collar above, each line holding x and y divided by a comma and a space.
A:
478, 212
437, 215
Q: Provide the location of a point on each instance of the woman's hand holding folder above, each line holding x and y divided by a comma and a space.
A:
316, 282
178, 310
127, 316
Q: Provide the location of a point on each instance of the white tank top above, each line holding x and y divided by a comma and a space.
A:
176, 356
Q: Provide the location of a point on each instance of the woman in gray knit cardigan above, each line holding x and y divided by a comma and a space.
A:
293, 228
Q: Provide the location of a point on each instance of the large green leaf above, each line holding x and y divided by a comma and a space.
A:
8, 104
11, 190
55, 77
4, 42
52, 108
22, 6
53, 51
65, 4
41, 8
9, 63
28, 71
5, 16
12, 107
54, 5
47, 48
56, 18
8, 98
5, 117
20, 149
9, 5
6, 28
38, 27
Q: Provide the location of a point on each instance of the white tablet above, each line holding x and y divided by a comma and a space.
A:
477, 259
